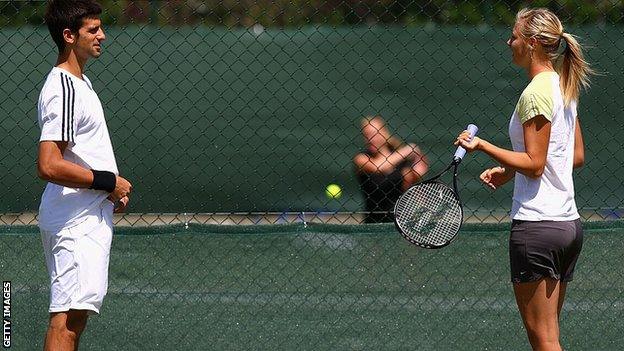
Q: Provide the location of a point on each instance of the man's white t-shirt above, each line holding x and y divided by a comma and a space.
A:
69, 110
551, 196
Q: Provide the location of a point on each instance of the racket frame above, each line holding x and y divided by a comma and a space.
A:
435, 179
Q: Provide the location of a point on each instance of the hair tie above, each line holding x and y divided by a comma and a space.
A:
563, 45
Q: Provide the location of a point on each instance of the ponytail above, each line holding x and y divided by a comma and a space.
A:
573, 70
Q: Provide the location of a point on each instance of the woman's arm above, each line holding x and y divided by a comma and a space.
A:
531, 163
496, 176
579, 146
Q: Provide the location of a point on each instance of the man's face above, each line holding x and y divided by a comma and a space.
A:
89, 39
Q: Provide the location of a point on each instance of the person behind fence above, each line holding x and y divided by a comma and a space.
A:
546, 234
386, 169
76, 158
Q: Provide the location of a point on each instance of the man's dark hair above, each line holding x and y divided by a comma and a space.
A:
68, 14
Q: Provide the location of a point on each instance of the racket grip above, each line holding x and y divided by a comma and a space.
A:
461, 152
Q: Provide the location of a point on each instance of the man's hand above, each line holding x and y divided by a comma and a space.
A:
121, 205
123, 188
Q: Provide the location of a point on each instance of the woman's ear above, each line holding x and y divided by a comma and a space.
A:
532, 43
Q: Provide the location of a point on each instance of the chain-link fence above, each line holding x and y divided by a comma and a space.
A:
245, 111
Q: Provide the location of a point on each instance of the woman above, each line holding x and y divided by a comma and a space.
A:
546, 235
386, 169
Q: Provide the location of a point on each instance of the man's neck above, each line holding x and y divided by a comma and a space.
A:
71, 63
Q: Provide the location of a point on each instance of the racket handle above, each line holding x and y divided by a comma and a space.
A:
459, 154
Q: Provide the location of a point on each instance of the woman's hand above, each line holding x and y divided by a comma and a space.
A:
495, 177
464, 141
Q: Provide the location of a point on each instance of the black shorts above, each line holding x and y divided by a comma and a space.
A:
544, 249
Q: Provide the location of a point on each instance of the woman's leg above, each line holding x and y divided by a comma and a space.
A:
540, 303
562, 291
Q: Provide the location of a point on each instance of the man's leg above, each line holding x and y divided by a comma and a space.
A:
64, 330
77, 259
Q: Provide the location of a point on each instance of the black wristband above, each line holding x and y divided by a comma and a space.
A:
103, 180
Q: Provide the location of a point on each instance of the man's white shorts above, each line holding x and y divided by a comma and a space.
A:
77, 260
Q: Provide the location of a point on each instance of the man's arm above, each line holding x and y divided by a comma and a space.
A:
384, 165
53, 168
417, 169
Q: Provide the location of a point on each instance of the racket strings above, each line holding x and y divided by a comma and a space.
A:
429, 214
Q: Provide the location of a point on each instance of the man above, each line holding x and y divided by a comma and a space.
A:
76, 158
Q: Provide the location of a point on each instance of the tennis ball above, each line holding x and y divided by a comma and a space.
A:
333, 191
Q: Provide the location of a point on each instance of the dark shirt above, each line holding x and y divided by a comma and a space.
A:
381, 191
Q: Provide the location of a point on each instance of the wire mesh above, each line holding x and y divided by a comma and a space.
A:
244, 111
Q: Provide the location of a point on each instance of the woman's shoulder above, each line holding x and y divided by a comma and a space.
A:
544, 84
539, 97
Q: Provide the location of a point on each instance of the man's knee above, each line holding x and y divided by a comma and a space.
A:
70, 323
77, 321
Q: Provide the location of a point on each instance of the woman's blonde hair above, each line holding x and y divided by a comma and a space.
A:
393, 142
562, 49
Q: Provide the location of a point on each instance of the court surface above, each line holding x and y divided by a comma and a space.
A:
315, 287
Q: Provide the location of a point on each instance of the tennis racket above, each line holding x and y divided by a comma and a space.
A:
429, 214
